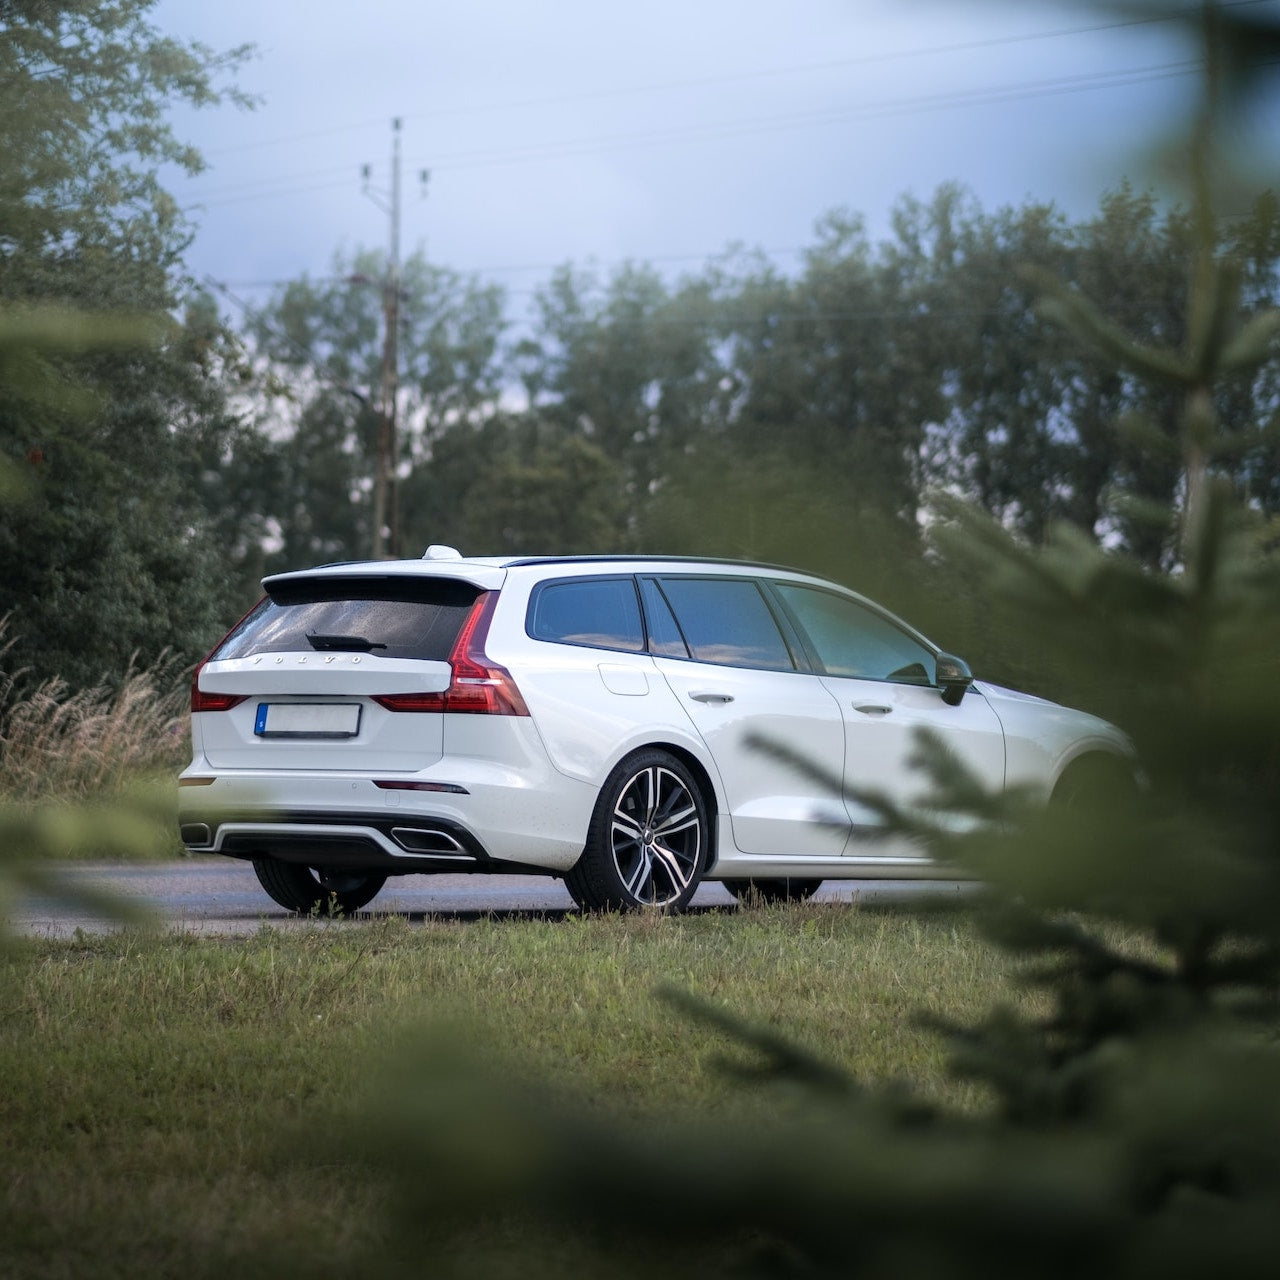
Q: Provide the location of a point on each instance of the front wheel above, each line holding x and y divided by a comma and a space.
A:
772, 890
321, 889
647, 842
1097, 783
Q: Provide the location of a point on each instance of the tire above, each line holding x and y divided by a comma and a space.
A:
1095, 784
324, 890
779, 890
648, 839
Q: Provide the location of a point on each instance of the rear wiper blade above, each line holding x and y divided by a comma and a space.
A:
343, 644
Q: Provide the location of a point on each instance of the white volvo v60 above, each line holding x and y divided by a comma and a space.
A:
591, 718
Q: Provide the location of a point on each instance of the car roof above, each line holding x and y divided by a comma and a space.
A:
480, 569
490, 572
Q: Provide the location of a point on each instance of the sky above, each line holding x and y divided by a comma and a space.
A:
663, 132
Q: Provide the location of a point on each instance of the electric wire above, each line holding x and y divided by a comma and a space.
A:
269, 188
883, 56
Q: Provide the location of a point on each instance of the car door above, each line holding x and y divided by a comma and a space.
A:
720, 645
882, 676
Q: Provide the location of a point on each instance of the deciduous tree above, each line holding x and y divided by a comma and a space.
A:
108, 553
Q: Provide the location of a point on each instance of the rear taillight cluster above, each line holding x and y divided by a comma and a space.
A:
478, 685
202, 701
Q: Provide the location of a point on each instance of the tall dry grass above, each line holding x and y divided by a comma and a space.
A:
64, 744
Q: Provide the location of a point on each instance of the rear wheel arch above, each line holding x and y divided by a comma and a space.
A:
705, 785
701, 775
651, 834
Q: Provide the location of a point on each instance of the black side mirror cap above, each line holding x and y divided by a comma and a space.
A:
954, 678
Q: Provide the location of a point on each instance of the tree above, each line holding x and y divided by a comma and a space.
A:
109, 550
629, 365
514, 485
319, 349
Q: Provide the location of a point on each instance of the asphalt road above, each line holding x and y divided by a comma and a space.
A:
222, 896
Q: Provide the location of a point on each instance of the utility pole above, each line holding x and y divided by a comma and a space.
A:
386, 514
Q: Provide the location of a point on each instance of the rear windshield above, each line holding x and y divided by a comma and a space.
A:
387, 617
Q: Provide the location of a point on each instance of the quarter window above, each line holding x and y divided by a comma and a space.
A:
665, 639
602, 613
726, 621
851, 640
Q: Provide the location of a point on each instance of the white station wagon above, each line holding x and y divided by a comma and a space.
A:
589, 718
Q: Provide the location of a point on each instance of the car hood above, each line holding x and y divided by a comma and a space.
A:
996, 692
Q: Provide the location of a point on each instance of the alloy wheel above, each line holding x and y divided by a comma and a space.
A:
656, 836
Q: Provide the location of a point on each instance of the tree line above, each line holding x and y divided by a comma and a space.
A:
808, 418
625, 402
740, 410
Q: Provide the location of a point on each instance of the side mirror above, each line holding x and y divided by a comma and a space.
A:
954, 678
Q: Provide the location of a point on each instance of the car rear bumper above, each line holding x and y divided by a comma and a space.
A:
493, 820
393, 845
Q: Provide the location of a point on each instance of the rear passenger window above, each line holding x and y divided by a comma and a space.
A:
602, 613
726, 621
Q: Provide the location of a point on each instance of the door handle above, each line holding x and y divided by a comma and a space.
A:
706, 695
872, 708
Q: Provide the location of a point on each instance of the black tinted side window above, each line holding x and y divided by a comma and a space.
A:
664, 636
726, 621
851, 640
398, 618
602, 613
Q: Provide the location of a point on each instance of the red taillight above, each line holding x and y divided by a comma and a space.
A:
202, 701
478, 685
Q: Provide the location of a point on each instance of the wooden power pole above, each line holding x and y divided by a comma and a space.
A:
386, 514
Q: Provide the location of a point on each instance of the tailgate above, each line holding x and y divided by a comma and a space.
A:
317, 711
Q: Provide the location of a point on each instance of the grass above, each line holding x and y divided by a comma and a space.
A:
174, 1105
75, 761
69, 745
166, 1098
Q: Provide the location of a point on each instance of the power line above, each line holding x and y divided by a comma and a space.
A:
787, 313
771, 255
513, 268
868, 59
986, 96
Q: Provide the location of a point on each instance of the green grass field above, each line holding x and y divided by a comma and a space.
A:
165, 1100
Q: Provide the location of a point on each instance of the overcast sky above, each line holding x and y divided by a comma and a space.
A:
583, 130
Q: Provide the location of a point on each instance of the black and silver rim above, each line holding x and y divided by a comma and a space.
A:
656, 836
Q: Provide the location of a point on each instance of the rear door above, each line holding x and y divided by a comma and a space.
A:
724, 651
310, 660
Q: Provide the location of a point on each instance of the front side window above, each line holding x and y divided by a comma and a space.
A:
727, 621
602, 613
852, 640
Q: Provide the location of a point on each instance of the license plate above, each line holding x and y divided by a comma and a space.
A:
307, 720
